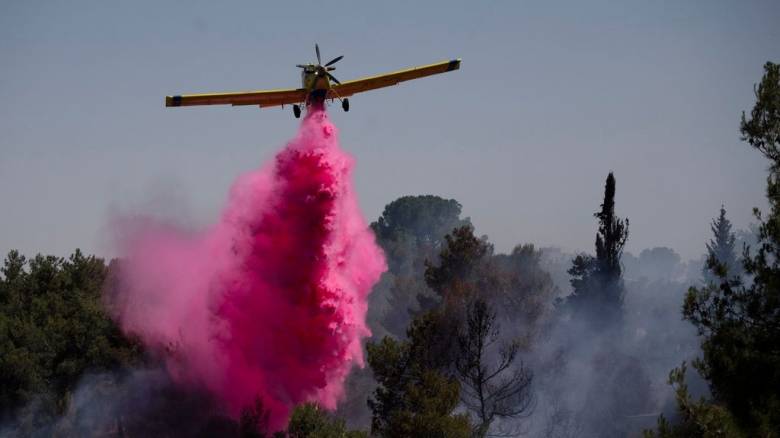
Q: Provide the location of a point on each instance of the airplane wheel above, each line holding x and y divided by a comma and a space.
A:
297, 111
345, 105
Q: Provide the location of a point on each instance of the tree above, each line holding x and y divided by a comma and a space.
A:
413, 398
490, 388
53, 327
253, 422
739, 322
465, 272
658, 263
467, 280
461, 271
612, 234
410, 230
597, 281
470, 281
309, 421
425, 218
698, 418
762, 130
721, 248
525, 289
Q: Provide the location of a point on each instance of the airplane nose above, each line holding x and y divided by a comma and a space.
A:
172, 100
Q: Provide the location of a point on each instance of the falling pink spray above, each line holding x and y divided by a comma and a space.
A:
271, 301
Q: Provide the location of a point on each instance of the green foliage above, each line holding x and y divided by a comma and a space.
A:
583, 271
464, 273
698, 418
53, 328
426, 219
466, 279
309, 421
525, 289
741, 322
413, 398
411, 230
431, 403
721, 249
597, 281
461, 265
762, 130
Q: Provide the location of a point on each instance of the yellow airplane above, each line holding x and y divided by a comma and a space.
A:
317, 87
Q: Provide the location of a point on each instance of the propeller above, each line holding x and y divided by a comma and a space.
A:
323, 70
334, 60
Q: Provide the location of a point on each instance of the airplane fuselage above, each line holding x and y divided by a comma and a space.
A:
311, 81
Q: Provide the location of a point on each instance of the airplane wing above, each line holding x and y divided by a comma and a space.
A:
349, 88
263, 98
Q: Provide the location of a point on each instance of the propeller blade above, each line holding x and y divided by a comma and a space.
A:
300, 65
333, 78
330, 68
334, 60
317, 48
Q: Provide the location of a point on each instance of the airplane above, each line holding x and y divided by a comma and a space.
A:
316, 87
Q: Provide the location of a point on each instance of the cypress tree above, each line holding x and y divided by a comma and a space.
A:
597, 281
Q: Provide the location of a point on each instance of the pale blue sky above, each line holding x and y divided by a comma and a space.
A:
550, 97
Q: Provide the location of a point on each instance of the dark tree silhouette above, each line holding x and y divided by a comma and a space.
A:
492, 385
597, 281
253, 422
526, 290
612, 234
720, 249
462, 263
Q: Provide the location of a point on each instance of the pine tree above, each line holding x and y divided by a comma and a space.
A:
740, 322
721, 249
413, 397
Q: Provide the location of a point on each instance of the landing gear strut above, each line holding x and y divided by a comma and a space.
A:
297, 111
345, 105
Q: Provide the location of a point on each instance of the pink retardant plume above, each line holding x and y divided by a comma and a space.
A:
271, 301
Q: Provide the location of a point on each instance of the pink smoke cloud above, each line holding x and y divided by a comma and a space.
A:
270, 301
